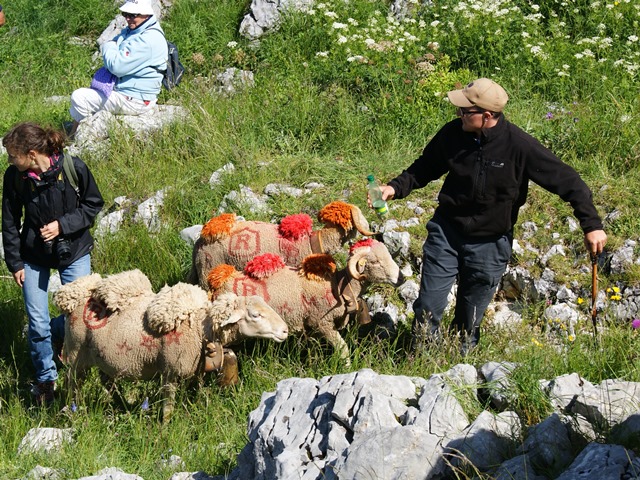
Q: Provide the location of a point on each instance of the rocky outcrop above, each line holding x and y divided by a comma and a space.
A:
364, 425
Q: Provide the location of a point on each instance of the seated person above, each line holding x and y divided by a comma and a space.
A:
137, 57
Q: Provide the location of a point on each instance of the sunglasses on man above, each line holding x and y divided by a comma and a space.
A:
130, 15
464, 112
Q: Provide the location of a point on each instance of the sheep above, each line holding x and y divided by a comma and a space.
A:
223, 240
316, 298
120, 326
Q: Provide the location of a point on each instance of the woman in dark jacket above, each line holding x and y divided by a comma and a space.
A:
46, 218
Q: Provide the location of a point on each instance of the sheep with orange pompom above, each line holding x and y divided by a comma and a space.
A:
316, 298
224, 240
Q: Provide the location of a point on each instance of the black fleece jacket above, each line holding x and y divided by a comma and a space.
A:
40, 203
488, 179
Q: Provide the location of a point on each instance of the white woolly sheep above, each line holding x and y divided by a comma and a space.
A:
120, 326
224, 240
316, 298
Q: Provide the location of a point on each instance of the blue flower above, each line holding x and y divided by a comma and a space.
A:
145, 404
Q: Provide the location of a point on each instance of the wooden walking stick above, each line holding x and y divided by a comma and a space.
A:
594, 292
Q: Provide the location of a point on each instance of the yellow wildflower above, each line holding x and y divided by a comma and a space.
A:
580, 300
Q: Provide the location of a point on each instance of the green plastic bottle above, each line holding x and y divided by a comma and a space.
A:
375, 194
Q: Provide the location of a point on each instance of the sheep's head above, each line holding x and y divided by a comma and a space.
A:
251, 316
370, 260
346, 216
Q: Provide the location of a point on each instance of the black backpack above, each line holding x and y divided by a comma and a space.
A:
174, 68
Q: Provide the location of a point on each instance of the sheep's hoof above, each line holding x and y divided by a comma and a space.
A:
229, 373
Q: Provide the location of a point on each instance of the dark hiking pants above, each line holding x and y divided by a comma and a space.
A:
477, 263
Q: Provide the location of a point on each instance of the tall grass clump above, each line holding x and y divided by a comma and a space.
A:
341, 90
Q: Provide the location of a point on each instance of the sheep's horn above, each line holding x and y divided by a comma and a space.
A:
360, 222
355, 260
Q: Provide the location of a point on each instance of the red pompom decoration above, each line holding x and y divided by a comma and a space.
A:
294, 227
264, 265
367, 242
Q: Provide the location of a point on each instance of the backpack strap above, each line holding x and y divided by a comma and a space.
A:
70, 171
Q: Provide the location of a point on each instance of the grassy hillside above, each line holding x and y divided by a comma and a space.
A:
341, 91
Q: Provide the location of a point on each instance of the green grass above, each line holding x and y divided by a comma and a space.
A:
331, 119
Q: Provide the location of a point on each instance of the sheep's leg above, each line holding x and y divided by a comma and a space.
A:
338, 343
169, 399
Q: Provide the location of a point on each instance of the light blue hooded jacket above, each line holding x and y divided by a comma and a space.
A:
134, 56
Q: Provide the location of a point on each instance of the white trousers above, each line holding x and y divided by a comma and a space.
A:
87, 101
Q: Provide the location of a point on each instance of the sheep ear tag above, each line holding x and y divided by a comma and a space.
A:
361, 264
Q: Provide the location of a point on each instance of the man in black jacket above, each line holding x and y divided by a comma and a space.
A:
489, 163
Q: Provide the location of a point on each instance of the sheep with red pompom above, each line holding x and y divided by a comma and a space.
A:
223, 240
316, 298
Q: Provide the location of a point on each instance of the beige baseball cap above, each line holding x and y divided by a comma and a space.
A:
483, 92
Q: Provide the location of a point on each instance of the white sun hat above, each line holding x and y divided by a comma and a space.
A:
141, 7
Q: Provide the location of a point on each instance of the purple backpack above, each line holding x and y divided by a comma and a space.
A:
103, 81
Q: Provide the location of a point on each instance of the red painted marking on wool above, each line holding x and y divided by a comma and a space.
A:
148, 342
245, 286
285, 309
173, 337
310, 301
124, 347
290, 251
245, 243
94, 314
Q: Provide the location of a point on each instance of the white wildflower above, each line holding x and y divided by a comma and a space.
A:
579, 56
342, 39
331, 14
232, 44
322, 54
369, 41
338, 26
632, 38
435, 23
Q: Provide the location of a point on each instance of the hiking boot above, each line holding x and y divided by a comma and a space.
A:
43, 392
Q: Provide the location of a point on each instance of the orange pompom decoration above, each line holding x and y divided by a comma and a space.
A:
367, 242
294, 227
337, 213
318, 266
219, 274
218, 227
264, 265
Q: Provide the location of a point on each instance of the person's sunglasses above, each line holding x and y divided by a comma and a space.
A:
463, 112
130, 15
